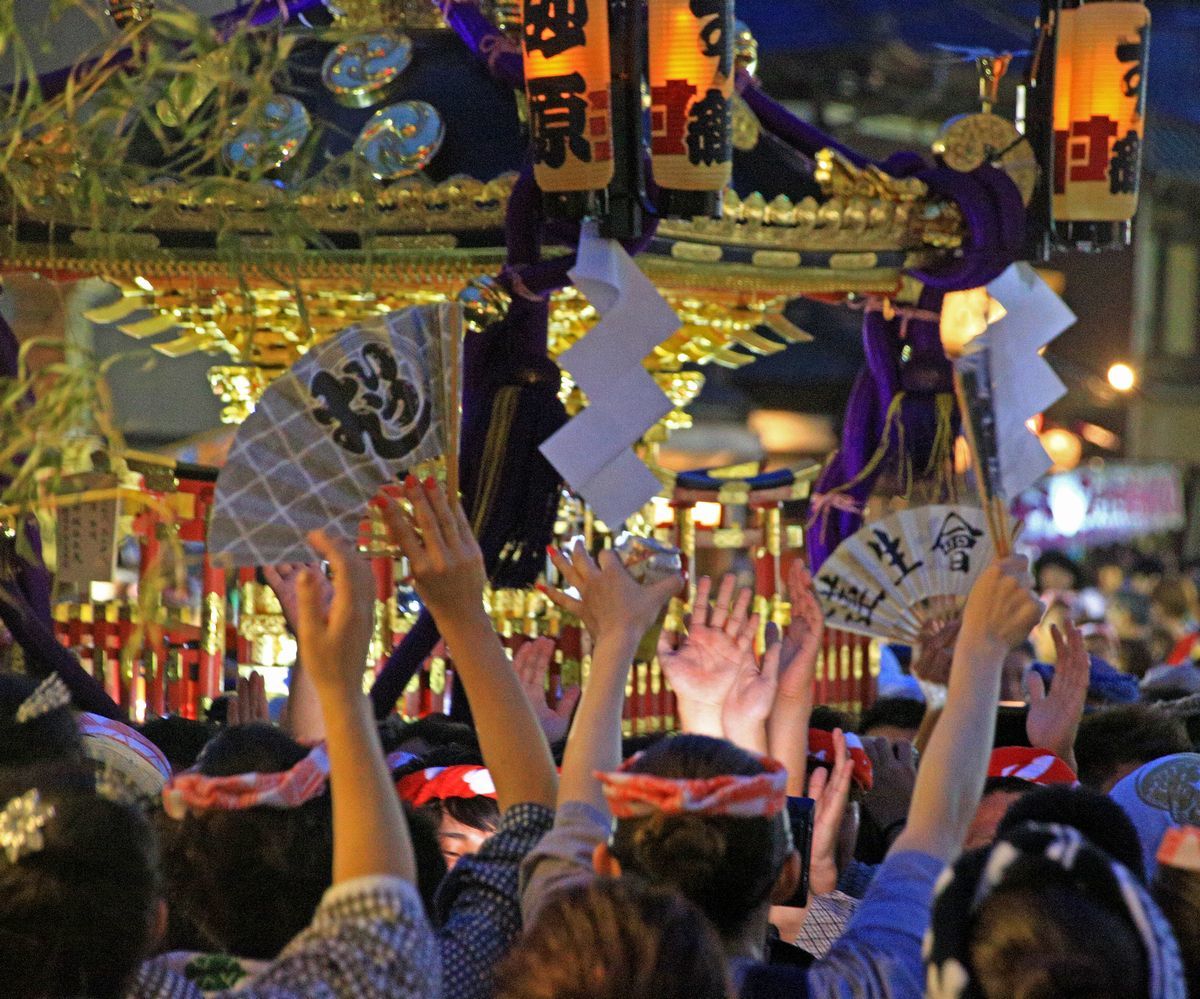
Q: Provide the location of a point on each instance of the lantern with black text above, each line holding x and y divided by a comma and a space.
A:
691, 70
1099, 108
567, 80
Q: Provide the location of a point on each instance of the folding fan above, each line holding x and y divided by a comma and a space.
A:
353, 414
895, 574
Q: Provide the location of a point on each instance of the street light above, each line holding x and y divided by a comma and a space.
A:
1122, 377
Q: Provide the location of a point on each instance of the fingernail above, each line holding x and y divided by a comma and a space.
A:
550, 549
410, 481
541, 587
430, 482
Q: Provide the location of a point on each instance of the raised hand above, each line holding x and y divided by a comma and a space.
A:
334, 639
894, 765
804, 636
283, 580
830, 790
249, 704
718, 644
1053, 718
610, 600
1001, 609
442, 553
935, 649
750, 699
532, 666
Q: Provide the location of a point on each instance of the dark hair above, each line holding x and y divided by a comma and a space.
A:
827, 719
250, 880
1177, 892
900, 712
431, 865
480, 813
1126, 735
52, 736
1147, 565
616, 939
1054, 941
1057, 560
1008, 785
434, 731
1096, 815
180, 739
726, 866
77, 916
1135, 657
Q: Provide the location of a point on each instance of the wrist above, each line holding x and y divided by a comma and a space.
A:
699, 718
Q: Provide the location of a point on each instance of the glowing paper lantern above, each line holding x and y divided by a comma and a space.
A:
691, 70
567, 80
1099, 106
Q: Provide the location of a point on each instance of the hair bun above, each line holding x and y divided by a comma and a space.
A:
681, 849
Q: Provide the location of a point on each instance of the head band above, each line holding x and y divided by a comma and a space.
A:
434, 783
1031, 855
820, 749
50, 695
194, 792
632, 795
1037, 766
1180, 848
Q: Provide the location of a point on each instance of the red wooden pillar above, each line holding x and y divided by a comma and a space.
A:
212, 631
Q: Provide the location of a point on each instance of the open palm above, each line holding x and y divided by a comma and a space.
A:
718, 643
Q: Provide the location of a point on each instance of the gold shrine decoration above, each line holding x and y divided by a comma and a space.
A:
691, 69
1099, 106
568, 77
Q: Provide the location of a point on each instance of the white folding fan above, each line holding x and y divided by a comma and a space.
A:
897, 573
353, 414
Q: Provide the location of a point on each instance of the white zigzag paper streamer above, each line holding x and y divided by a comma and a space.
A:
593, 451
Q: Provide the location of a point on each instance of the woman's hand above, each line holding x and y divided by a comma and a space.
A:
532, 666
610, 602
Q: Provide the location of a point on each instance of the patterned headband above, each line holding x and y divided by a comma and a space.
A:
1180, 848
1031, 855
1037, 766
820, 749
194, 792
50, 695
633, 795
434, 783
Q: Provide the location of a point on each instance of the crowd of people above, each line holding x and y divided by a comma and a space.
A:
1017, 817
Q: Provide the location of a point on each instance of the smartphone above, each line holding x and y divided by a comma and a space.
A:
800, 818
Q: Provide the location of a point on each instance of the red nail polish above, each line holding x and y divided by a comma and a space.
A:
410, 481
541, 587
430, 482
550, 549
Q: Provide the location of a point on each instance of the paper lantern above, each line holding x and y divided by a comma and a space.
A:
691, 70
567, 80
1099, 108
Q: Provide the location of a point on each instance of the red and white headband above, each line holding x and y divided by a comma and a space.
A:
820, 748
633, 795
194, 792
1038, 766
434, 783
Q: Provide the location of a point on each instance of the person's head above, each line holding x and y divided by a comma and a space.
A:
616, 939
732, 867
894, 718
180, 739
1134, 657
1162, 794
1116, 741
36, 724
1129, 613
1043, 913
1145, 574
1013, 772
1055, 571
431, 734
1100, 819
80, 908
1173, 604
459, 800
250, 879
427, 851
1176, 889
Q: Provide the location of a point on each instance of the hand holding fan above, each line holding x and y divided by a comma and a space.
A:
899, 575
350, 416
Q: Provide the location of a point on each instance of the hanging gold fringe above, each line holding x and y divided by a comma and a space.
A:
504, 409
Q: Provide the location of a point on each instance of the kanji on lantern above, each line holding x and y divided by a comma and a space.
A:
558, 119
1099, 101
709, 133
669, 116
567, 81
714, 31
553, 26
